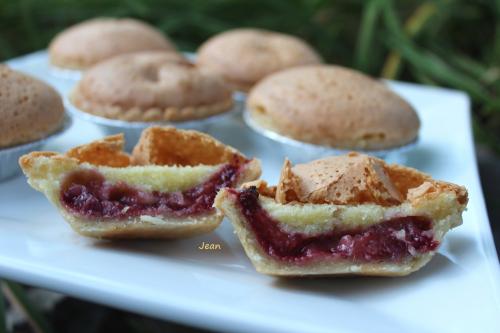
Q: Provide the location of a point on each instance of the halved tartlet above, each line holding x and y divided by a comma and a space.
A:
164, 189
351, 214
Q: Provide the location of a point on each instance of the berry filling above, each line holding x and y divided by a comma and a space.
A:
392, 240
86, 193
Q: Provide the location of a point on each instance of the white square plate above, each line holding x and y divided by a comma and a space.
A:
458, 291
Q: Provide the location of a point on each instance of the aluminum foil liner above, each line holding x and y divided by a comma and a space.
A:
9, 157
132, 129
301, 152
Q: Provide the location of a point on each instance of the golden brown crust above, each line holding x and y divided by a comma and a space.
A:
358, 179
107, 151
93, 41
146, 228
173, 114
30, 109
333, 106
169, 146
245, 56
285, 191
151, 86
157, 146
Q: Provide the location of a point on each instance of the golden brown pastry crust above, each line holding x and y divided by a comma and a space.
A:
151, 86
245, 56
333, 106
87, 43
356, 179
30, 109
168, 146
420, 195
45, 171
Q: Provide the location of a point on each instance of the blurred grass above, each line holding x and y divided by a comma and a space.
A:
18, 298
452, 43
3, 313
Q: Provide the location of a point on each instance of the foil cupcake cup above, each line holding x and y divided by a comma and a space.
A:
9, 156
301, 152
132, 129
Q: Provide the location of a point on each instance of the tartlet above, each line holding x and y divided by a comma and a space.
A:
30, 109
333, 106
151, 86
164, 189
90, 42
351, 214
245, 56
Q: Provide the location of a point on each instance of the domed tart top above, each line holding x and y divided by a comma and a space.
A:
30, 109
151, 86
245, 56
87, 43
333, 106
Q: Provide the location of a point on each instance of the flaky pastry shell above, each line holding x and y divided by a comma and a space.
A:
165, 159
420, 195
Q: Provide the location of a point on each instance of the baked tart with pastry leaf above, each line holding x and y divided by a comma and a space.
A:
151, 86
164, 189
351, 214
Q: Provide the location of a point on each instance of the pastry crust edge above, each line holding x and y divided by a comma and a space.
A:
172, 113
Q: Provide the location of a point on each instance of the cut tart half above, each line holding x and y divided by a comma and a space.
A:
351, 214
164, 189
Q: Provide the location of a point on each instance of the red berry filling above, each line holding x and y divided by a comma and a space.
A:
392, 240
86, 193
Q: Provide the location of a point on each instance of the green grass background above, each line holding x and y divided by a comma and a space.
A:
442, 42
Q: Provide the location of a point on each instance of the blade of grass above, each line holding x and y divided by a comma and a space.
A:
429, 63
482, 134
3, 313
496, 40
422, 78
413, 26
487, 75
437, 68
365, 36
18, 298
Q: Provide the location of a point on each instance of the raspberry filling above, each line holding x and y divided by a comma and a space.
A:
392, 240
87, 194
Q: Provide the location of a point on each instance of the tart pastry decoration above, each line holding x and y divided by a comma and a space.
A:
351, 214
164, 189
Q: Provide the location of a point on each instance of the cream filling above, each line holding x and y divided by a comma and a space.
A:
160, 178
321, 218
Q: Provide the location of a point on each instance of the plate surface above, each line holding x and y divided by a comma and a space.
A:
458, 291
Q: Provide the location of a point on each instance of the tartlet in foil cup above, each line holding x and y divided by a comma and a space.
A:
132, 129
300, 152
9, 156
